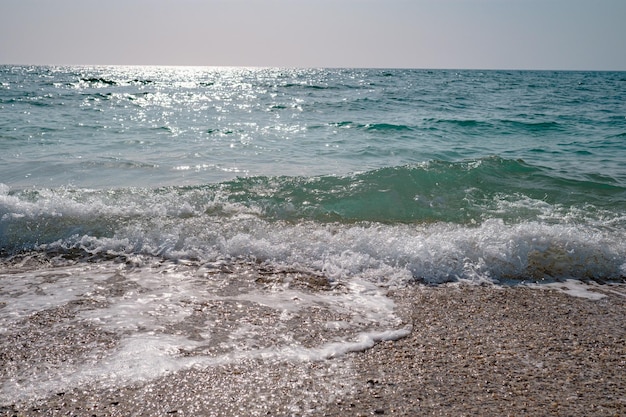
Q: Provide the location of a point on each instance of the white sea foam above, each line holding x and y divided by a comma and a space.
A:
197, 224
491, 250
30, 291
168, 317
576, 288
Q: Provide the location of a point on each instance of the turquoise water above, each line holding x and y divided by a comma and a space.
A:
501, 173
155, 219
154, 126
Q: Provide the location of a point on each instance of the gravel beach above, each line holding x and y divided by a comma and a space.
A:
473, 350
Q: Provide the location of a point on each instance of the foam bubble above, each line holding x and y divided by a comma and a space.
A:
576, 288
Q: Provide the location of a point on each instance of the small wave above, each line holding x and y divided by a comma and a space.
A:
532, 126
98, 96
117, 163
99, 80
391, 254
222, 132
437, 191
387, 127
463, 122
542, 150
142, 82
308, 86
373, 127
463, 192
346, 123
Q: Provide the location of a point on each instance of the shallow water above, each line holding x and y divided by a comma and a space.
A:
111, 325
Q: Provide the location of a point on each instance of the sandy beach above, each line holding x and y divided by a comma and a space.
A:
473, 350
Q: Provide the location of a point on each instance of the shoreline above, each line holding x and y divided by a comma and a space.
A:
473, 350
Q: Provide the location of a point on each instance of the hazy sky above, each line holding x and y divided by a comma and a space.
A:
524, 34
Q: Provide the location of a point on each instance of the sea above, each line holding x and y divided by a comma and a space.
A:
168, 218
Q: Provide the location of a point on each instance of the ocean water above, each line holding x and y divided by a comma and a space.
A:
138, 198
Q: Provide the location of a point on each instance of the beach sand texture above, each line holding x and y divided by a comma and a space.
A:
473, 350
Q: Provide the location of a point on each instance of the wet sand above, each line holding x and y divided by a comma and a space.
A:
473, 350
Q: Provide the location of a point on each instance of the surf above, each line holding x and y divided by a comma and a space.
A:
490, 219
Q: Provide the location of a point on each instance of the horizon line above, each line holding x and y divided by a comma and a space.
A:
318, 67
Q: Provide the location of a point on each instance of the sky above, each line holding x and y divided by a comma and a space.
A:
459, 34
